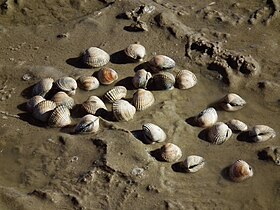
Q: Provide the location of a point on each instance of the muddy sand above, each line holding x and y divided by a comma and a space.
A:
231, 46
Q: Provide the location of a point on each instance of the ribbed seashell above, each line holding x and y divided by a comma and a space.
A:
93, 104
33, 102
67, 84
240, 170
161, 63
87, 124
219, 133
237, 125
61, 98
42, 110
164, 81
143, 99
141, 78
135, 51
153, 133
260, 133
88, 82
194, 163
60, 117
207, 117
107, 76
185, 79
43, 87
232, 102
123, 110
116, 93
95, 57
170, 152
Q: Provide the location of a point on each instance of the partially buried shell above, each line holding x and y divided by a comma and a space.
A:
153, 133
33, 102
194, 163
171, 152
116, 93
161, 63
95, 57
143, 99
93, 104
271, 153
61, 98
185, 79
141, 78
88, 82
88, 124
67, 84
237, 125
43, 87
240, 170
163, 81
60, 117
135, 51
206, 118
107, 76
219, 133
42, 110
260, 133
123, 110
232, 102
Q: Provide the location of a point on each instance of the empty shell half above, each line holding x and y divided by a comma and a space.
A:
135, 51
93, 104
161, 63
153, 133
219, 133
95, 57
107, 76
87, 124
260, 133
143, 99
88, 82
123, 110
116, 93
170, 152
237, 125
42, 87
33, 102
141, 79
60, 117
207, 117
185, 79
194, 163
61, 98
232, 102
163, 81
42, 110
67, 84
240, 170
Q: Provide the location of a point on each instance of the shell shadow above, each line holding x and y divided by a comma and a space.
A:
225, 173
216, 105
121, 58
192, 121
132, 28
126, 82
144, 65
157, 155
77, 111
179, 167
77, 63
27, 92
26, 117
244, 136
203, 135
139, 135
22, 107
263, 155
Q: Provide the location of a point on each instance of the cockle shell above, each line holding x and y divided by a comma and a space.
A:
116, 93
260, 133
237, 125
60, 117
194, 163
93, 104
42, 110
170, 152
67, 84
185, 79
123, 110
141, 78
135, 51
107, 76
240, 170
207, 117
161, 63
61, 98
219, 133
153, 133
232, 102
143, 99
88, 82
33, 102
164, 81
43, 87
87, 124
95, 57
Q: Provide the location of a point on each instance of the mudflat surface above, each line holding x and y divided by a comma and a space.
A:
231, 46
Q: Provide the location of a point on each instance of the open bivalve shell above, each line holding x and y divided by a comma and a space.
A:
88, 83
60, 117
219, 133
67, 84
170, 152
141, 79
107, 76
153, 133
42, 110
123, 110
93, 104
240, 170
135, 51
95, 57
260, 133
61, 98
185, 79
42, 87
116, 93
207, 117
194, 163
87, 124
232, 102
143, 99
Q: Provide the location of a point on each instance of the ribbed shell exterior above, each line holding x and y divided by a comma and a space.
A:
207, 117
123, 110
33, 102
143, 99
194, 163
116, 93
161, 62
67, 84
87, 124
141, 79
171, 152
60, 117
240, 170
164, 81
219, 133
61, 98
92, 104
237, 125
153, 133
107, 76
135, 51
42, 110
95, 57
232, 102
261, 133
43, 87
88, 83
185, 79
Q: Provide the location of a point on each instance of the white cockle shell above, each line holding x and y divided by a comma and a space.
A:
123, 110
219, 133
153, 133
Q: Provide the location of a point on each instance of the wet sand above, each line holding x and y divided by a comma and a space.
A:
231, 47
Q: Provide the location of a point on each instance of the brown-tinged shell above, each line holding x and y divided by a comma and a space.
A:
61, 98
95, 57
161, 63
194, 163
67, 84
93, 104
261, 133
88, 82
60, 117
143, 99
237, 126
141, 79
219, 133
163, 81
232, 102
43, 87
153, 133
207, 117
171, 152
33, 102
116, 93
107, 76
42, 110
123, 110
185, 79
87, 124
240, 170
135, 51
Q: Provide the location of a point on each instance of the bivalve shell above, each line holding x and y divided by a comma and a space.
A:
107, 76
93, 104
164, 81
135, 51
219, 133
42, 110
87, 124
61, 98
185, 79
116, 93
207, 117
171, 152
88, 82
232, 102
43, 87
153, 133
237, 125
141, 79
194, 163
33, 102
95, 57
161, 63
67, 84
260, 133
123, 110
60, 117
240, 170
143, 99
